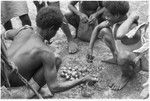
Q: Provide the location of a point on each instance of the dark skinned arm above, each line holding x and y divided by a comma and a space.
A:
95, 33
63, 86
72, 7
50, 74
93, 38
99, 12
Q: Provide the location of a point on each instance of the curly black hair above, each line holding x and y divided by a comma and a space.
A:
117, 7
49, 17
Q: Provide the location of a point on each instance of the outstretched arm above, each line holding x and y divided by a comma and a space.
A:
93, 37
63, 86
50, 74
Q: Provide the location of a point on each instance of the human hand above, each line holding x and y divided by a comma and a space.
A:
92, 19
89, 56
91, 79
83, 18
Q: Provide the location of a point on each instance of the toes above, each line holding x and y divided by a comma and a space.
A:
113, 87
111, 84
73, 48
120, 87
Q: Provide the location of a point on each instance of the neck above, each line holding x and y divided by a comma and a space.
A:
39, 35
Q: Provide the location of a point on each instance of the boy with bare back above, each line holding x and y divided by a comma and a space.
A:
34, 58
114, 32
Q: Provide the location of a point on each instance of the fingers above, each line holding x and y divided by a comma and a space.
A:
73, 47
89, 58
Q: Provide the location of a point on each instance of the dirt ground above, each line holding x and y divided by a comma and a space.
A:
104, 71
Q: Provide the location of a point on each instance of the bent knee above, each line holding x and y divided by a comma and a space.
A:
105, 31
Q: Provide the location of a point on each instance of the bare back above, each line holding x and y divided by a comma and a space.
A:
24, 52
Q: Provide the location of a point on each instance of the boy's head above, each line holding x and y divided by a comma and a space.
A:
48, 20
115, 10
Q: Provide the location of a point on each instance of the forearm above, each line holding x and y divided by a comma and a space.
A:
93, 37
125, 27
73, 9
99, 12
142, 49
63, 86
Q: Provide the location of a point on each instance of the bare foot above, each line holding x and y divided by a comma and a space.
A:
73, 47
119, 83
21, 92
145, 93
110, 61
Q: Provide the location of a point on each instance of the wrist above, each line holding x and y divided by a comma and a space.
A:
90, 49
95, 15
83, 80
79, 14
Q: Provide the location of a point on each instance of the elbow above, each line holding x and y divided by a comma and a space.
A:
119, 33
54, 88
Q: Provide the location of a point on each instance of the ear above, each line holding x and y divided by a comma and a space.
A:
36, 3
58, 62
48, 3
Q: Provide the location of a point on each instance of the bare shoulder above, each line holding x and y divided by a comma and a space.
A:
43, 54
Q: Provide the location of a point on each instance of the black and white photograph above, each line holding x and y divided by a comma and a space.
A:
69, 49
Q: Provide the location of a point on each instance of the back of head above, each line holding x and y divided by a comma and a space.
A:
117, 7
49, 18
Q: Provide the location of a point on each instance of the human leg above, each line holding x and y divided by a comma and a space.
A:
8, 25
73, 20
110, 42
25, 19
71, 44
128, 67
